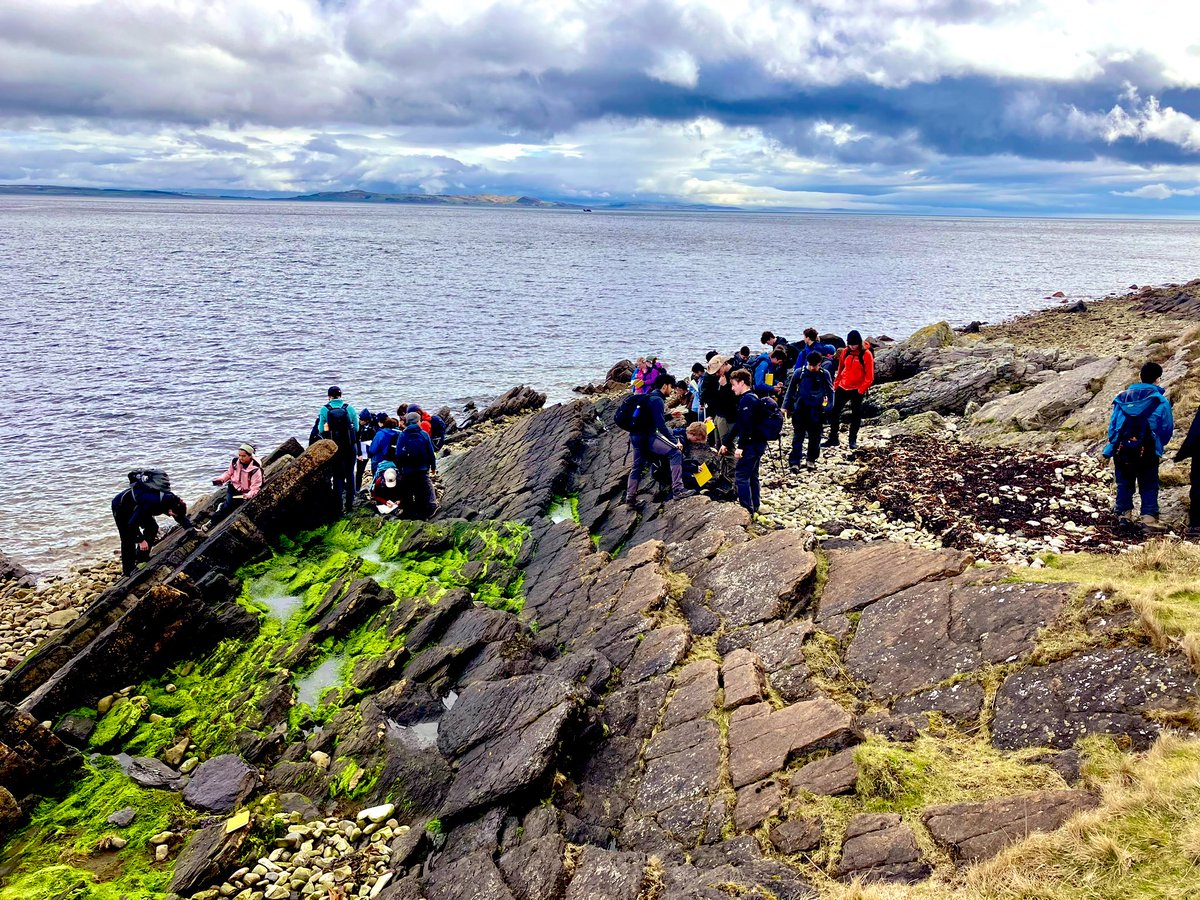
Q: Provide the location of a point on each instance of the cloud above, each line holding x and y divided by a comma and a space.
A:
1159, 192
771, 102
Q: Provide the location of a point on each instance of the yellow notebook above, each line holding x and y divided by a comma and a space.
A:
770, 380
703, 476
709, 426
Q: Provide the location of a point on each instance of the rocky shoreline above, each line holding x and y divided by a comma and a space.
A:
889, 678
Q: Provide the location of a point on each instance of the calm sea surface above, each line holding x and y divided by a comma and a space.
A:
159, 332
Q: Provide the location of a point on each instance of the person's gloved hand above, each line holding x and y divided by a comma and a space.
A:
216, 481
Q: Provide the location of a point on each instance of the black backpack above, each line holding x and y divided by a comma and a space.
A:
1135, 441
155, 479
406, 453
633, 414
337, 419
768, 420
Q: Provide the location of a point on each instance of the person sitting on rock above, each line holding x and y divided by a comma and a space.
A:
646, 373
386, 491
1191, 450
750, 445
693, 443
416, 461
656, 441
1141, 426
243, 480
855, 375
148, 495
809, 395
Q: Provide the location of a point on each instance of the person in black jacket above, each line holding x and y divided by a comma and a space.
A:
809, 394
366, 433
750, 445
134, 510
416, 461
1191, 450
718, 399
658, 441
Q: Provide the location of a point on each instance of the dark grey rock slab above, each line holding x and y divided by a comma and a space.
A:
833, 775
219, 784
879, 847
860, 577
762, 740
975, 831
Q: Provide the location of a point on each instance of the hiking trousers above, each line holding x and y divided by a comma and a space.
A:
745, 476
343, 477
720, 430
228, 505
644, 451
1194, 495
418, 498
806, 424
842, 397
1144, 478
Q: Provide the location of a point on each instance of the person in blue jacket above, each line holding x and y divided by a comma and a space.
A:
416, 462
769, 371
809, 395
814, 344
383, 443
1140, 428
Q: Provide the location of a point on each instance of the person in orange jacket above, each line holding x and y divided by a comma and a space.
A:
855, 375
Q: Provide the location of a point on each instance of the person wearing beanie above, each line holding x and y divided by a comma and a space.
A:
338, 422
855, 375
366, 433
243, 480
415, 464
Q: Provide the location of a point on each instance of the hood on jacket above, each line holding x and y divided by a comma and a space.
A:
1138, 399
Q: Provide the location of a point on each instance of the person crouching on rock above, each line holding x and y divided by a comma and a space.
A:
656, 441
134, 510
809, 395
416, 462
386, 491
383, 445
1191, 450
1141, 426
243, 480
750, 445
855, 375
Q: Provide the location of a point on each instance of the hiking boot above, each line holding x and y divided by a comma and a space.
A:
631, 502
1127, 517
832, 442
683, 495
853, 445
794, 469
811, 465
1153, 523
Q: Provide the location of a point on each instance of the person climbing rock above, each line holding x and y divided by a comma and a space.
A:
655, 440
1141, 426
243, 480
855, 375
809, 395
1191, 450
416, 462
337, 422
134, 510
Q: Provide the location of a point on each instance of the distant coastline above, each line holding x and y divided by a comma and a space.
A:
356, 196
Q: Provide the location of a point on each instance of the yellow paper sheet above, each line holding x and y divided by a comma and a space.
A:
237, 820
703, 476
709, 426
770, 380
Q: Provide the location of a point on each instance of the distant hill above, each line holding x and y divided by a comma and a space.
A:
54, 190
434, 199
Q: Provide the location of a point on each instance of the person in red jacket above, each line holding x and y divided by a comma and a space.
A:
855, 375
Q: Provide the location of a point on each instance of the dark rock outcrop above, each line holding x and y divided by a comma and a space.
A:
879, 847
220, 784
975, 831
208, 855
857, 578
1109, 691
761, 740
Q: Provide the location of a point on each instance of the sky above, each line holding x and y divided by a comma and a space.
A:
1028, 107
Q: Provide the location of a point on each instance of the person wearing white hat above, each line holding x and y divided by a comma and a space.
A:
243, 480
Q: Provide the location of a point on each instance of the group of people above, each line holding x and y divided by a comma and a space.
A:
738, 402
401, 451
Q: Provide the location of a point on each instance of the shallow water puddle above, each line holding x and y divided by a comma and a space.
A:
560, 511
310, 687
422, 735
268, 592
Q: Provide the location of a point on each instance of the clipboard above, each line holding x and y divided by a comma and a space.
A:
703, 475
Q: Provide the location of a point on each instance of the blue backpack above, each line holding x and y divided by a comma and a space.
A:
633, 414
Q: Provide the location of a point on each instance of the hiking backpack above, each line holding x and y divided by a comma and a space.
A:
768, 420
337, 420
155, 479
1135, 441
633, 414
